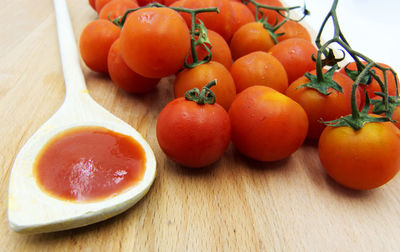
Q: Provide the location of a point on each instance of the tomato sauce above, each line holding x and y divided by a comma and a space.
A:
88, 164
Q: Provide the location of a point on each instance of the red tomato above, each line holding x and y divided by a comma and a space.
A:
123, 76
93, 4
222, 22
224, 91
149, 48
95, 42
267, 125
242, 14
322, 107
259, 68
249, 38
220, 50
296, 56
116, 8
273, 16
362, 159
374, 85
292, 29
146, 2
193, 135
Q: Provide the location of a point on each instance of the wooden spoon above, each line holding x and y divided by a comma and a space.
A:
30, 210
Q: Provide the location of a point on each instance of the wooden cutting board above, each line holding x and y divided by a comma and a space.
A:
236, 204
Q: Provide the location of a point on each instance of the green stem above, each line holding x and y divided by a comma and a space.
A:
205, 96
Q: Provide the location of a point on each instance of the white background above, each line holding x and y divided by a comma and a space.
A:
372, 27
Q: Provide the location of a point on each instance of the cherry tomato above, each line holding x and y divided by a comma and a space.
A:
259, 68
178, 3
267, 125
222, 22
219, 49
123, 76
224, 91
373, 87
242, 14
155, 42
322, 107
93, 4
116, 8
100, 4
363, 159
146, 2
249, 38
95, 42
296, 56
292, 29
273, 16
193, 135
169, 2
396, 116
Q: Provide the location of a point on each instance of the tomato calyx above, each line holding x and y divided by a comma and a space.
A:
381, 108
322, 85
282, 11
205, 96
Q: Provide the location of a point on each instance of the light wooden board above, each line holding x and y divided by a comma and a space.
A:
235, 205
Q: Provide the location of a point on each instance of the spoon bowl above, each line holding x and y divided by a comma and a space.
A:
30, 210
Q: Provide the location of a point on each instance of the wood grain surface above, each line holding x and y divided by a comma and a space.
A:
234, 205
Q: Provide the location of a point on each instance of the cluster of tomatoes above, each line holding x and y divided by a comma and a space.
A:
255, 76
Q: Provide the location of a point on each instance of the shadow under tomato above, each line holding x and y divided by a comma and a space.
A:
259, 165
189, 171
337, 188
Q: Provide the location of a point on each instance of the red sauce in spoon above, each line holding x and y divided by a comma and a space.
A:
89, 163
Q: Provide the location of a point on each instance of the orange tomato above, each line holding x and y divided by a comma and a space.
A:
259, 68
222, 22
149, 48
296, 56
219, 49
146, 2
292, 29
267, 125
193, 135
242, 14
116, 8
100, 4
95, 42
123, 76
224, 91
396, 116
249, 38
362, 159
322, 107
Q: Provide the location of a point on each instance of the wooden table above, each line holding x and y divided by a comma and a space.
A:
234, 205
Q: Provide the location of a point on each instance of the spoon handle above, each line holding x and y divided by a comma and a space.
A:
73, 76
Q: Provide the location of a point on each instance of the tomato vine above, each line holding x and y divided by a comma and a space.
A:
322, 81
